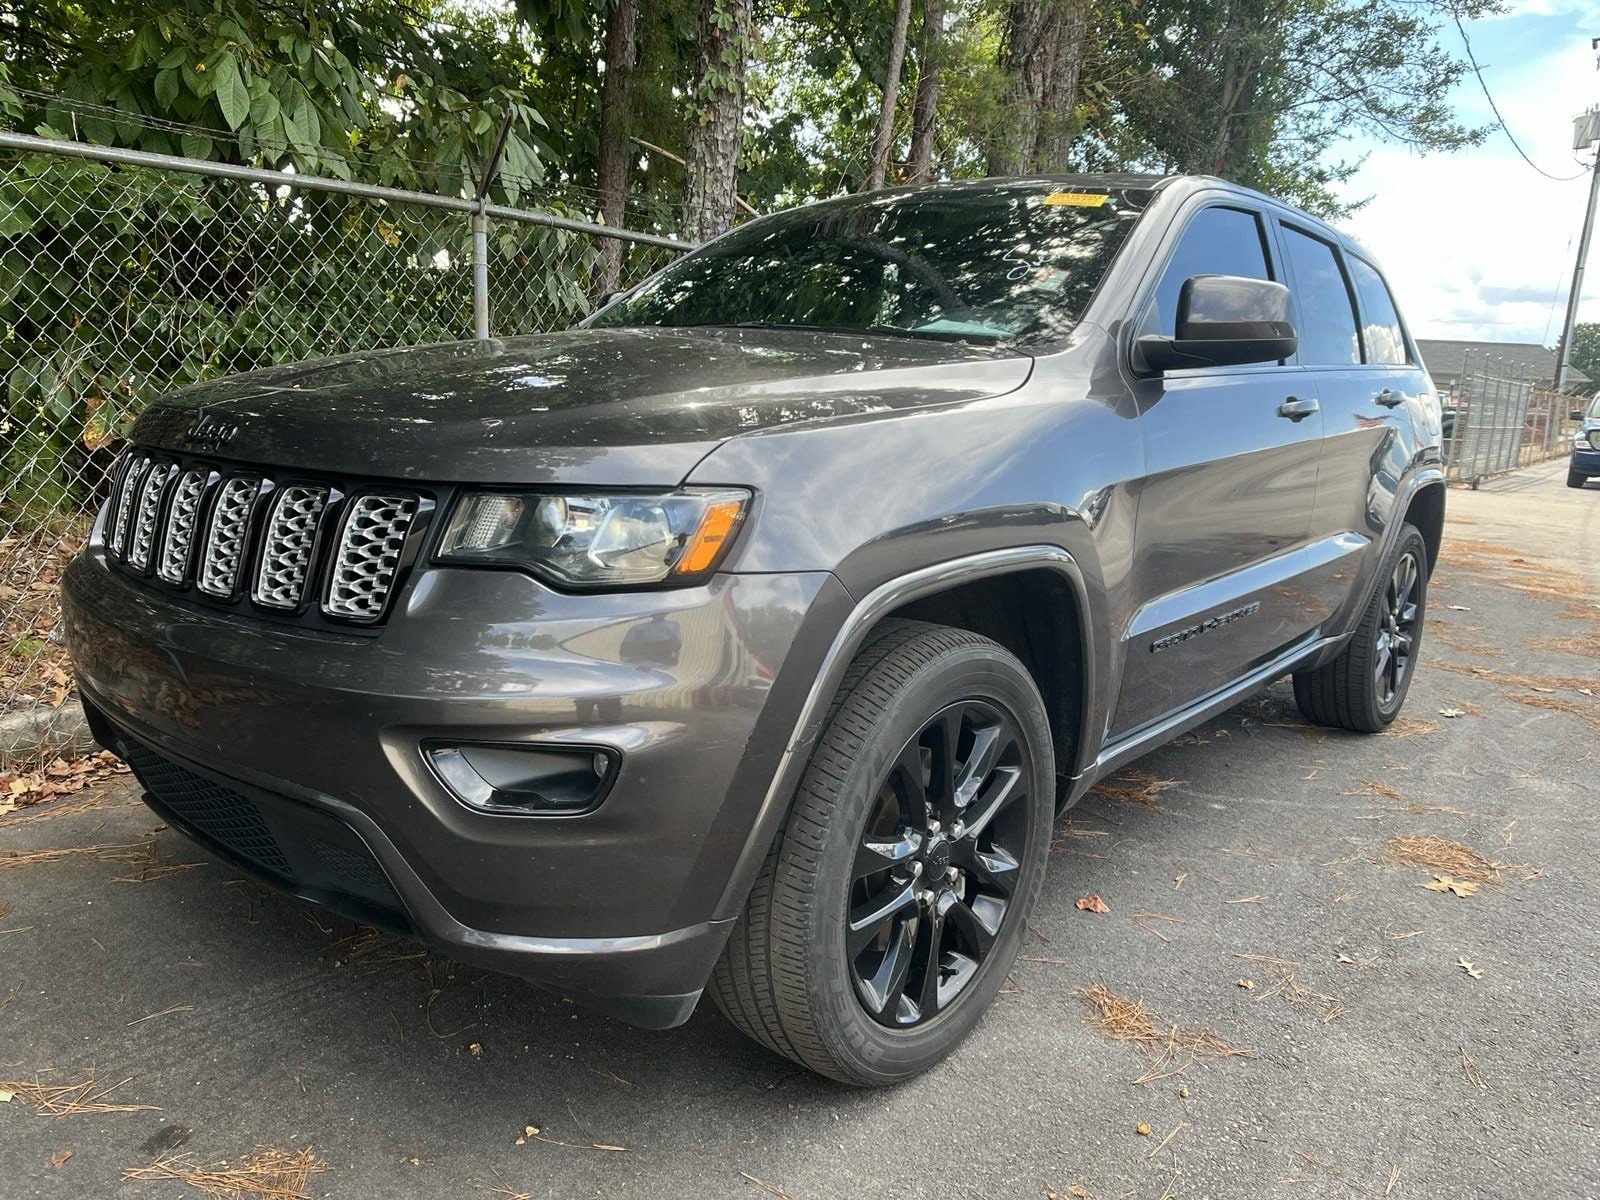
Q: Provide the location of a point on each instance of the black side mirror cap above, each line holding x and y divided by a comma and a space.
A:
1224, 321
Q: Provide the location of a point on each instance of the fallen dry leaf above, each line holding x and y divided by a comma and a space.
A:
1452, 712
1458, 887
1142, 1129
1094, 904
1475, 972
59, 1158
1247, 984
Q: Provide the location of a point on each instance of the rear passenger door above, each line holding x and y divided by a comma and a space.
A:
1352, 346
1225, 506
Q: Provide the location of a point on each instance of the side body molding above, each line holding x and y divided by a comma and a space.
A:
867, 613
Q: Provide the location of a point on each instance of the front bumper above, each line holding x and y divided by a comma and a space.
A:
624, 907
1585, 461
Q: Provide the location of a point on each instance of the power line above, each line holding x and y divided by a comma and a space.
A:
1495, 108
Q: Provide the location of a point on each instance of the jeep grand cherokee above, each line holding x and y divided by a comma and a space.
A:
749, 637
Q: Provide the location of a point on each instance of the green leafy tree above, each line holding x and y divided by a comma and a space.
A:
1585, 353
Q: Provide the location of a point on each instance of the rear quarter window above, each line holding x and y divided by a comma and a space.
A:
1327, 322
1381, 334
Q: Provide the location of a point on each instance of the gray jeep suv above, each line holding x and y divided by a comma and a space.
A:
749, 637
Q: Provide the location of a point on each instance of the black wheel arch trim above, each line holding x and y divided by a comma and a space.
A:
862, 619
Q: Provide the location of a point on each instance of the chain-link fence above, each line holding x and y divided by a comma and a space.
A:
1500, 421
124, 275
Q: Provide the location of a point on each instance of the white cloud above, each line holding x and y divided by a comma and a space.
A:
1477, 244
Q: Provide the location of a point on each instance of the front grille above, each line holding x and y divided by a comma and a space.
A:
128, 479
369, 555
179, 536
304, 849
225, 816
225, 537
149, 504
236, 535
286, 547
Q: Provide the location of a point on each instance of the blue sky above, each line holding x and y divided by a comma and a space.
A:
1477, 244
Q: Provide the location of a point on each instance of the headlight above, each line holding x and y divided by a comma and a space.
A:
597, 540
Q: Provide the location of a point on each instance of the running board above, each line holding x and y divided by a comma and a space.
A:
1124, 751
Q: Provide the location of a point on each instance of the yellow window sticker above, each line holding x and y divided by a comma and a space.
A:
1078, 199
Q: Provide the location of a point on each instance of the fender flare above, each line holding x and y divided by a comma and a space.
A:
871, 609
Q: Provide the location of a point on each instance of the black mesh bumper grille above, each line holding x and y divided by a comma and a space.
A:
231, 820
297, 847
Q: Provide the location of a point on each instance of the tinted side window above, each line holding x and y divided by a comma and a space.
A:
1217, 241
1381, 331
1327, 326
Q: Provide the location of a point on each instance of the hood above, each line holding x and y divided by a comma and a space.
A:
624, 407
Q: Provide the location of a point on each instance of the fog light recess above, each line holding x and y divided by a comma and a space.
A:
520, 780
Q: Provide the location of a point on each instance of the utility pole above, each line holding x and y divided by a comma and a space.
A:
1585, 133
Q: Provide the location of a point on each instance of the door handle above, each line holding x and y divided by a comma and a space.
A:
1389, 398
1298, 410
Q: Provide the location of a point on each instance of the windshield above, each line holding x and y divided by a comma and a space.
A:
1018, 262
1594, 409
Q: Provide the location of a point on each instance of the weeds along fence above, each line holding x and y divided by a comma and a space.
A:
1502, 421
124, 275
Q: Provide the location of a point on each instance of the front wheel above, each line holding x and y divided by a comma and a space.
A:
1576, 479
885, 920
1365, 686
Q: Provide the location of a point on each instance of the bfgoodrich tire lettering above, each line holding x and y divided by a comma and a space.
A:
785, 978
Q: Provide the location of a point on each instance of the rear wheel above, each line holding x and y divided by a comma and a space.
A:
1364, 688
1576, 478
886, 918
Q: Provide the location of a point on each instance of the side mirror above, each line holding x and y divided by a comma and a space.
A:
1574, 414
1224, 321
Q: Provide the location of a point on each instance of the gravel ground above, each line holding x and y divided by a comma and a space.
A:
1379, 1063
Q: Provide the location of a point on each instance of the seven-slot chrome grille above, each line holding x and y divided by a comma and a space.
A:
289, 545
368, 556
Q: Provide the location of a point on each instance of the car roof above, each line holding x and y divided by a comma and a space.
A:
1107, 181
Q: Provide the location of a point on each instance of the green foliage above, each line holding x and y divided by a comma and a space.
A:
117, 286
1586, 350
396, 94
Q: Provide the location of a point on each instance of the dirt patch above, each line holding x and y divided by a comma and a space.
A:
33, 669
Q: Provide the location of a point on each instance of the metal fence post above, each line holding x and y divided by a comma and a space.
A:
480, 233
480, 271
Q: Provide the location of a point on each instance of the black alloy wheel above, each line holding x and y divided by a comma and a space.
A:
1398, 631
937, 863
1364, 686
886, 916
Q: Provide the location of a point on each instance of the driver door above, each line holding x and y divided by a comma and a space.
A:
1226, 503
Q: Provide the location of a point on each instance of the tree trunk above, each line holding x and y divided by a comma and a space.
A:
1011, 145
925, 105
883, 142
1058, 126
616, 104
711, 162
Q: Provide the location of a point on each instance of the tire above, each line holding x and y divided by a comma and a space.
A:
1576, 479
1349, 693
786, 978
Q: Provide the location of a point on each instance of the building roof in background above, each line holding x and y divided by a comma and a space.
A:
1446, 359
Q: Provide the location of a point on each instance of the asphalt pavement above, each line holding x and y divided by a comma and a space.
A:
1400, 1040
